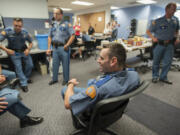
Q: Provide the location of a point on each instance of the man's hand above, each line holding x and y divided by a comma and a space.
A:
26, 52
155, 40
8, 51
48, 52
3, 105
2, 78
177, 42
66, 47
74, 81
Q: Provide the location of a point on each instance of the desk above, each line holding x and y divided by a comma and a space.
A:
33, 51
37, 55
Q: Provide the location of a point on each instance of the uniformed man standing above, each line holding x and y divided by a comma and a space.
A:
61, 36
165, 30
18, 50
115, 81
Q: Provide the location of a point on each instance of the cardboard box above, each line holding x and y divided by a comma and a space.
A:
42, 69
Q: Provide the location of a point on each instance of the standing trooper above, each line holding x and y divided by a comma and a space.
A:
61, 36
165, 30
18, 50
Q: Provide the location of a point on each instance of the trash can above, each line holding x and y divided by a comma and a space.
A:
42, 41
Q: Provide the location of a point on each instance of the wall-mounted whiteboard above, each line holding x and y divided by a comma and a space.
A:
24, 8
141, 27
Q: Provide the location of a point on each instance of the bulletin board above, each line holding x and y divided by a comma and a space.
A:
141, 27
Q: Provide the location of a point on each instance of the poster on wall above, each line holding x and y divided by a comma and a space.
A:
1, 23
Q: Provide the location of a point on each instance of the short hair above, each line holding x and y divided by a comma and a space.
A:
60, 10
117, 50
18, 19
170, 4
84, 32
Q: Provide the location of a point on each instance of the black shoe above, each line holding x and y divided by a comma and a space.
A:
52, 82
29, 81
13, 83
30, 121
25, 88
155, 80
166, 81
64, 83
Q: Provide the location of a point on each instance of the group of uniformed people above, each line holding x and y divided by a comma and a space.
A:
115, 81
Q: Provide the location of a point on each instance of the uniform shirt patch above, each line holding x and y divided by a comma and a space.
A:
91, 92
3, 33
69, 25
63, 25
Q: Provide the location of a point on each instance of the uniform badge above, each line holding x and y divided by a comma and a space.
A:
3, 33
91, 92
63, 25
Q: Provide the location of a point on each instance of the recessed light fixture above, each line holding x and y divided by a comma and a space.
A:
66, 9
112, 7
82, 3
146, 1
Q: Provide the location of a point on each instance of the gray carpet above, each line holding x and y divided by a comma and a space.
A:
155, 112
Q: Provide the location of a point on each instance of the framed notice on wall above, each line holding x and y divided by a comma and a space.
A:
1, 23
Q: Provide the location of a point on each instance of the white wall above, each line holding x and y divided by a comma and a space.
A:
24, 8
97, 9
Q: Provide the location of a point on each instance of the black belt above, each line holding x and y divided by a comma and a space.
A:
165, 42
18, 50
57, 44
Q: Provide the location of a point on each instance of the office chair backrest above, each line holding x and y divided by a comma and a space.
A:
89, 45
108, 111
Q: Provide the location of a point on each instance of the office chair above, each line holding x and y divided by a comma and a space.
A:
90, 46
105, 113
176, 57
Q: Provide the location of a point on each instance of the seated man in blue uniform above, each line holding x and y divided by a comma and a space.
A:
9, 101
18, 50
85, 37
115, 81
12, 81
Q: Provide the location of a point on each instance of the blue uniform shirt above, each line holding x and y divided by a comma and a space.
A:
164, 29
110, 85
15, 40
85, 38
60, 32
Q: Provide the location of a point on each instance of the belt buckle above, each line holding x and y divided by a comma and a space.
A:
166, 42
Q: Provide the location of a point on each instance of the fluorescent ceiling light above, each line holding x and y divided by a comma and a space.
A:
146, 1
66, 9
82, 3
114, 7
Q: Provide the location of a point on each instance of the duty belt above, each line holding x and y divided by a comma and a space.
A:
165, 42
57, 44
19, 50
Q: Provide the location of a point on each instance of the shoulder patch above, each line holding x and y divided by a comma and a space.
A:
153, 22
3, 33
91, 92
69, 25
